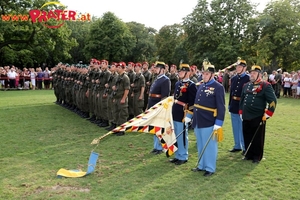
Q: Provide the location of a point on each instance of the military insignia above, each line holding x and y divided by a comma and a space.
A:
209, 91
272, 104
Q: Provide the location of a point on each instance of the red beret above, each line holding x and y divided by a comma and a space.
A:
193, 67
122, 64
145, 63
105, 61
114, 63
138, 64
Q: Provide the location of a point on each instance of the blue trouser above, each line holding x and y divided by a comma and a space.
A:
208, 161
157, 144
237, 129
182, 140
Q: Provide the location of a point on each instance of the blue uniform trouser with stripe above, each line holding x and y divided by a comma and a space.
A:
157, 144
182, 140
237, 129
208, 161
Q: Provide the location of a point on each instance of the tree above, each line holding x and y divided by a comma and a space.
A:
23, 42
169, 42
215, 31
109, 38
279, 42
144, 47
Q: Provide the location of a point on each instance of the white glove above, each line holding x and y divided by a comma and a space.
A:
216, 127
241, 116
187, 120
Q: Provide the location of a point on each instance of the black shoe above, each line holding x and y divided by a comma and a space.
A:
197, 170
235, 150
255, 161
112, 127
154, 151
158, 152
207, 173
174, 160
104, 123
180, 162
121, 133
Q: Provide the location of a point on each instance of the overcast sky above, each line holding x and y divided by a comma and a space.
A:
152, 13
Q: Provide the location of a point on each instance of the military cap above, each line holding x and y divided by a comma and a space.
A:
138, 64
242, 63
160, 64
122, 64
209, 68
193, 67
255, 68
184, 67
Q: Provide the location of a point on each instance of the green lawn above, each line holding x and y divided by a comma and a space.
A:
39, 137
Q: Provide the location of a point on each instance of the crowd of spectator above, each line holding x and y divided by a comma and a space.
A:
14, 78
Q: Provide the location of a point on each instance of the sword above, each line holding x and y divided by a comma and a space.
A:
252, 139
202, 152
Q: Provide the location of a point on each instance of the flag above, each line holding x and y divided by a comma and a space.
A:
75, 173
156, 120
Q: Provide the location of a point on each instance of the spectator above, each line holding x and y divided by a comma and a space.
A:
294, 85
287, 85
40, 76
33, 75
11, 74
46, 78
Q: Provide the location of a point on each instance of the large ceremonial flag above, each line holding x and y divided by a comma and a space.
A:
156, 120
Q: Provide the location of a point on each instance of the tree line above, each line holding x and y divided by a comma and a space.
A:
218, 30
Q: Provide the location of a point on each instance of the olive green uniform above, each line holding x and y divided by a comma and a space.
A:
138, 104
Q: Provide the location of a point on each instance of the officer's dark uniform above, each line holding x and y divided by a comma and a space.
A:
159, 90
184, 97
237, 83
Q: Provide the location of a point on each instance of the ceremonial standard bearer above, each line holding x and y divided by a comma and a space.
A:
159, 90
184, 96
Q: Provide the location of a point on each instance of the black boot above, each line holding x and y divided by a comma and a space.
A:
104, 123
92, 118
112, 126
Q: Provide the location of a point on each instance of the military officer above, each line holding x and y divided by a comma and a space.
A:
159, 90
255, 97
208, 116
184, 96
237, 83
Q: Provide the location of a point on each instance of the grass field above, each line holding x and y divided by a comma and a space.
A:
39, 137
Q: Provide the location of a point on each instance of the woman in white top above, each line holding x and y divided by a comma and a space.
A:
287, 85
32, 78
